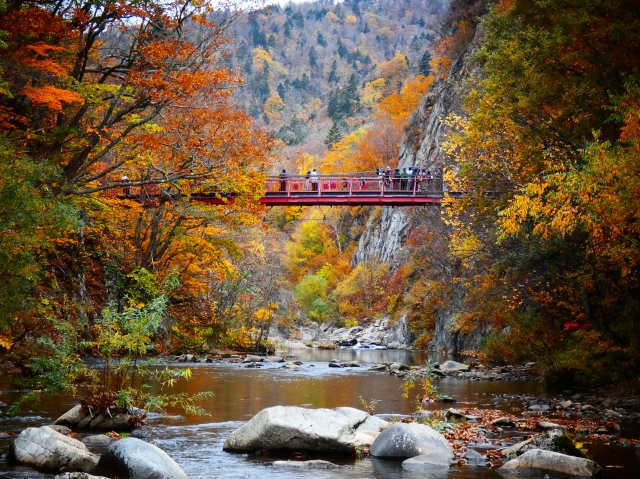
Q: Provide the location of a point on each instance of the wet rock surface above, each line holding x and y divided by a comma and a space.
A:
552, 462
403, 441
46, 449
132, 458
298, 429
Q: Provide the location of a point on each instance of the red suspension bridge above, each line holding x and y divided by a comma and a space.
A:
329, 190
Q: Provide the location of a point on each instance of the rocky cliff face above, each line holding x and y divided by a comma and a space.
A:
387, 230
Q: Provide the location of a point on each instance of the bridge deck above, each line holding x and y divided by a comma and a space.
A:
321, 190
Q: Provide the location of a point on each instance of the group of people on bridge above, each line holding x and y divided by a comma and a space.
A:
407, 179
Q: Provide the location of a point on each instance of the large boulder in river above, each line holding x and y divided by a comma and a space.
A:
132, 458
548, 461
453, 366
554, 440
43, 448
403, 441
79, 417
296, 428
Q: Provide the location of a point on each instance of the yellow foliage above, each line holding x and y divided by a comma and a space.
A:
393, 67
332, 17
262, 57
350, 19
372, 92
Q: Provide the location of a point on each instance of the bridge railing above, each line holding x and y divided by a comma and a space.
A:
330, 185
309, 186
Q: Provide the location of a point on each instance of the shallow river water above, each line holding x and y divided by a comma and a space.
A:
196, 442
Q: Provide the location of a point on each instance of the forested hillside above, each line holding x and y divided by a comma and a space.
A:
310, 66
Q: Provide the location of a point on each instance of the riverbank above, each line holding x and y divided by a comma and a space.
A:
242, 392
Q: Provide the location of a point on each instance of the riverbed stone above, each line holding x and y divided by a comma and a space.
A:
294, 428
313, 464
132, 458
372, 423
97, 440
78, 475
78, 417
546, 425
403, 441
427, 461
453, 366
554, 440
503, 422
553, 462
355, 416
43, 448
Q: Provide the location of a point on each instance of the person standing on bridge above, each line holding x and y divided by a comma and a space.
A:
307, 181
283, 180
405, 177
314, 180
127, 189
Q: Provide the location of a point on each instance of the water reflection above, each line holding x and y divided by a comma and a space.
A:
196, 442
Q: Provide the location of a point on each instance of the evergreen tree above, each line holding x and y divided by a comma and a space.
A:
333, 74
334, 103
313, 58
334, 136
321, 41
342, 50
281, 91
352, 96
425, 64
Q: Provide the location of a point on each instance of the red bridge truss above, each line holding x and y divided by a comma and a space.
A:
329, 190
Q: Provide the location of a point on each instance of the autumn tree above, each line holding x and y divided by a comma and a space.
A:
553, 140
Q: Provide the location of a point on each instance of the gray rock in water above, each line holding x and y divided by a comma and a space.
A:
253, 359
78, 475
453, 366
352, 364
355, 416
553, 462
315, 464
294, 428
539, 408
72, 417
427, 461
43, 448
455, 413
76, 417
474, 457
378, 367
97, 440
275, 359
372, 423
59, 428
402, 440
553, 440
132, 458
546, 425
503, 422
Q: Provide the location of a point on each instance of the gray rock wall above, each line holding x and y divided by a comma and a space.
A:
387, 231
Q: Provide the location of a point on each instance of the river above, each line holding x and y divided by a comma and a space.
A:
196, 442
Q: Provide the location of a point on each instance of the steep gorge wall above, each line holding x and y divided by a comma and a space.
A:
386, 232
